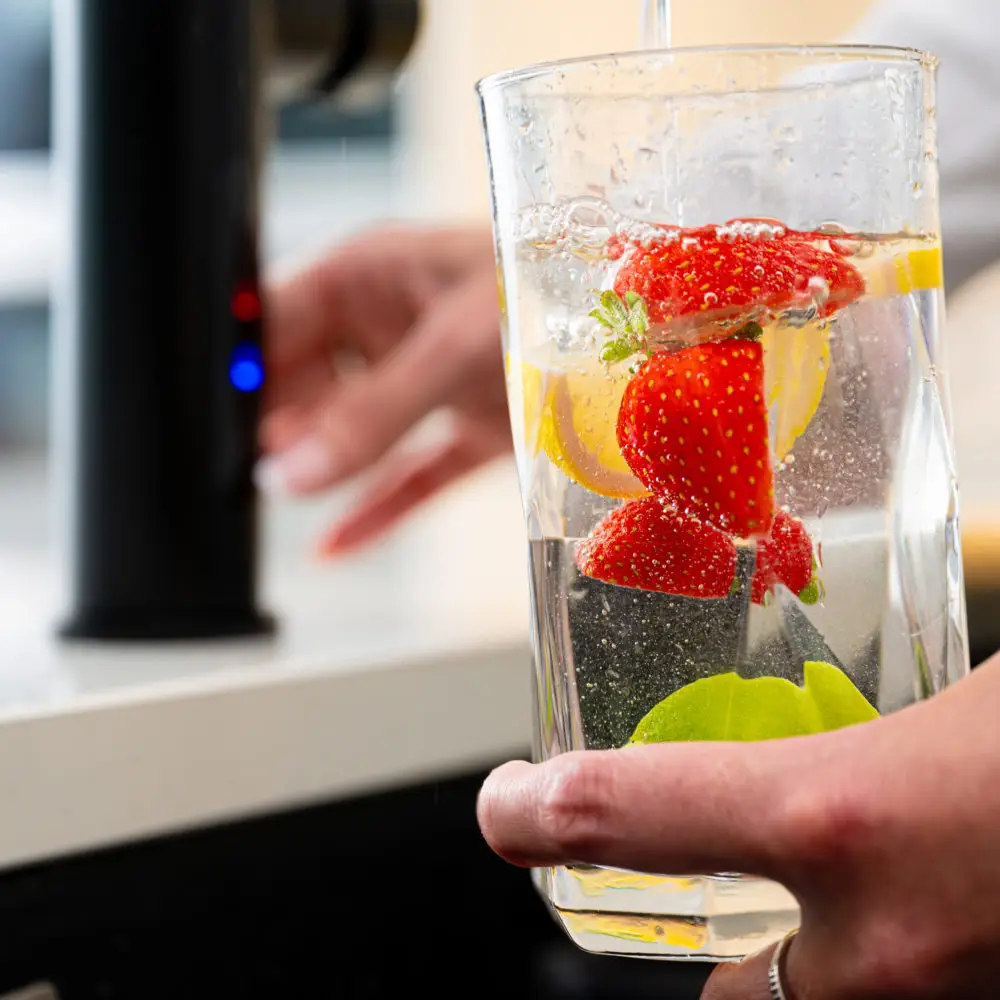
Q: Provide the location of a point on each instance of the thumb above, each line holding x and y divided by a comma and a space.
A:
362, 416
669, 808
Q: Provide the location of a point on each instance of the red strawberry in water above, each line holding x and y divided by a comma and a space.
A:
726, 273
693, 428
785, 556
646, 546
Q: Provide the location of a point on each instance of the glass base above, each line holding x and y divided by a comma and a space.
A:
708, 918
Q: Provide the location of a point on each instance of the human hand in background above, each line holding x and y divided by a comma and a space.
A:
385, 330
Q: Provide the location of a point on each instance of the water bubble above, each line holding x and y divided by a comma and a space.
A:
525, 126
644, 234
711, 299
643, 201
819, 289
758, 271
557, 326
750, 229
583, 332
589, 224
619, 171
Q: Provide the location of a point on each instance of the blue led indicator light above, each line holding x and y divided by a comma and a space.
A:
246, 368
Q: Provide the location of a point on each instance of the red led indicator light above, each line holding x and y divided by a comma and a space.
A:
246, 304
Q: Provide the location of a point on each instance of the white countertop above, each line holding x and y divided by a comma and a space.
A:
403, 664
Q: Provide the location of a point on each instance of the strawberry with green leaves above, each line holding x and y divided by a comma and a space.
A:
646, 546
692, 427
785, 556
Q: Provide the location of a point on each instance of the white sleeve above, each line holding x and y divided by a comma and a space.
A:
965, 36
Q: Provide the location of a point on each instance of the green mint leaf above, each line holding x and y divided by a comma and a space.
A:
727, 707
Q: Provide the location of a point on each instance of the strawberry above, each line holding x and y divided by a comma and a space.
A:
785, 556
692, 426
646, 546
728, 274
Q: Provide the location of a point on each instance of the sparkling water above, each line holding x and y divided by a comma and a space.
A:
869, 475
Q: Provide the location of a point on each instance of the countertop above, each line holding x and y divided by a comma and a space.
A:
403, 664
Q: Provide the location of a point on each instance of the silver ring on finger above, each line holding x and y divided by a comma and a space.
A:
774, 969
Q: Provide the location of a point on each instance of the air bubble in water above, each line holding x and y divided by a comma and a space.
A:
711, 299
759, 271
557, 325
750, 229
843, 244
819, 289
643, 201
589, 224
643, 234
583, 332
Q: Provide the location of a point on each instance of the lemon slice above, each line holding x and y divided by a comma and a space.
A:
572, 416
796, 362
913, 271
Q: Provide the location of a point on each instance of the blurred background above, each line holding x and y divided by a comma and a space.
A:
331, 170
334, 889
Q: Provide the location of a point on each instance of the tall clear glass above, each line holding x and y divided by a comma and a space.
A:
721, 284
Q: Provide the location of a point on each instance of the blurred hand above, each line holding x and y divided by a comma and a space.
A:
387, 329
888, 834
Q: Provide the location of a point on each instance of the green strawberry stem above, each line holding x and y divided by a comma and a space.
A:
750, 331
625, 323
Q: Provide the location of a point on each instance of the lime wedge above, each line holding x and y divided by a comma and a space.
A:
727, 707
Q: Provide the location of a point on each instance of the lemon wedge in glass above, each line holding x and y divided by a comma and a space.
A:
915, 270
571, 415
796, 362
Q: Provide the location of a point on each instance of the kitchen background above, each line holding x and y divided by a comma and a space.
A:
332, 170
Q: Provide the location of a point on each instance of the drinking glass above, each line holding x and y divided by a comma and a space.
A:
721, 286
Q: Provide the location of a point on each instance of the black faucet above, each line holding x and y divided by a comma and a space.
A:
160, 122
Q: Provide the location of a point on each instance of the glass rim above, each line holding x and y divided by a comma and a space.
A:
858, 52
